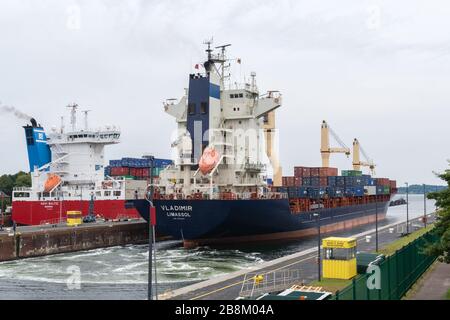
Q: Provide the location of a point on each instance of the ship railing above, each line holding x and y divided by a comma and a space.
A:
260, 283
225, 196
22, 189
55, 221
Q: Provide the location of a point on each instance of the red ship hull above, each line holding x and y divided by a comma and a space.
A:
42, 212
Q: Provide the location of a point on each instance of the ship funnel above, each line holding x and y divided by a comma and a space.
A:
39, 153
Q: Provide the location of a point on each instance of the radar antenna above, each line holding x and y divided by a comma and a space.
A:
209, 50
73, 115
86, 127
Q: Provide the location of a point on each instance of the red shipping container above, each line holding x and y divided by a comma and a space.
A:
393, 184
327, 172
298, 181
146, 172
120, 171
382, 182
134, 172
302, 172
315, 172
288, 181
323, 181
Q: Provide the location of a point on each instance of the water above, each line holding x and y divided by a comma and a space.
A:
121, 272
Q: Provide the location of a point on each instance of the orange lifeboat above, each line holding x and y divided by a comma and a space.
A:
52, 182
209, 160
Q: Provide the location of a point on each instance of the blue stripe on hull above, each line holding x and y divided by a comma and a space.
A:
200, 219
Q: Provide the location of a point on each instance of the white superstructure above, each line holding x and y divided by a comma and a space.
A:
77, 162
229, 118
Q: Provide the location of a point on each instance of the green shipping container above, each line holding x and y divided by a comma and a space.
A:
351, 173
387, 190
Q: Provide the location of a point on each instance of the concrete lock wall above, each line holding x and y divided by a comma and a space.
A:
52, 241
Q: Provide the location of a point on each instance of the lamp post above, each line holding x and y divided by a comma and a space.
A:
317, 216
407, 208
151, 237
1, 210
424, 205
376, 223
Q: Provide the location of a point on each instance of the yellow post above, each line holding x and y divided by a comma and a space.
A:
74, 218
339, 259
325, 144
269, 132
356, 158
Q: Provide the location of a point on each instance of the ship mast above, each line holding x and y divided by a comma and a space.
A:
73, 115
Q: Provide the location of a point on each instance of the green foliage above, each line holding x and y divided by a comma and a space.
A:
10, 181
418, 189
442, 227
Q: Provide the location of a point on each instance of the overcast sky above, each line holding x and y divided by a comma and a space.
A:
375, 70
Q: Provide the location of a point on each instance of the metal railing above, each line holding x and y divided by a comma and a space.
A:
275, 281
398, 273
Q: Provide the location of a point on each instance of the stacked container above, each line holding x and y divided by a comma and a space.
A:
136, 168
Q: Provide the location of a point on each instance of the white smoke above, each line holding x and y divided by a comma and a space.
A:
17, 113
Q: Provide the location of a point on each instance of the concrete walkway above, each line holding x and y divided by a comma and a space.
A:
435, 283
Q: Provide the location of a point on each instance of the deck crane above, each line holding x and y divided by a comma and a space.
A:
325, 148
357, 163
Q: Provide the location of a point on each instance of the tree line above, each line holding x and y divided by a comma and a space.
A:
10, 181
442, 227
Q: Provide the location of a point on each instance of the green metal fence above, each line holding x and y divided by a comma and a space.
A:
398, 273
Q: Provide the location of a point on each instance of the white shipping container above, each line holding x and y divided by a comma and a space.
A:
131, 186
370, 190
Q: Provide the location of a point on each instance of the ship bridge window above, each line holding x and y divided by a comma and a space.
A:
117, 193
203, 107
98, 193
107, 193
191, 108
21, 194
241, 95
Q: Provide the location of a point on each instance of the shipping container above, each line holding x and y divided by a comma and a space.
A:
317, 192
351, 173
323, 181
297, 192
315, 181
315, 172
356, 191
380, 190
340, 181
332, 181
370, 190
302, 172
120, 171
382, 182
306, 181
393, 184
286, 181
327, 171
335, 192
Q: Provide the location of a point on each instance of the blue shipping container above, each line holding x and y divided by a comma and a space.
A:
332, 181
340, 181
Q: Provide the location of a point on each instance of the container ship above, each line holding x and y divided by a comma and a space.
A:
218, 191
68, 174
